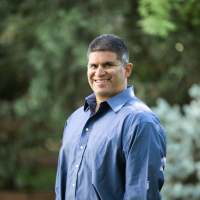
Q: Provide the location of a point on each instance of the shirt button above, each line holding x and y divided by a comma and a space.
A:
73, 184
81, 147
76, 165
87, 129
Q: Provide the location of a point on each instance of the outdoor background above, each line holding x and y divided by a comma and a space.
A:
43, 79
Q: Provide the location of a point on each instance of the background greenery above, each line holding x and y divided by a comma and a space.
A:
43, 47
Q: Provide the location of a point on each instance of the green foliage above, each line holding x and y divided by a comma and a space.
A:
39, 179
182, 171
156, 17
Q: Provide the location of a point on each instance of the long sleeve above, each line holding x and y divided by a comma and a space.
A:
145, 155
57, 182
60, 179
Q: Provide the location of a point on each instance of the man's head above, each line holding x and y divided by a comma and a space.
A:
108, 67
110, 43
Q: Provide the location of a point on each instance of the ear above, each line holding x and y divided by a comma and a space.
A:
128, 69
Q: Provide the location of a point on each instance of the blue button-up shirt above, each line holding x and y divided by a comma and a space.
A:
118, 153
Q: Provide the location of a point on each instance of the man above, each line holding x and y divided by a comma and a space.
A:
114, 147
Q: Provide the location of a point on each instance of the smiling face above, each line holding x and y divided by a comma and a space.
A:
106, 75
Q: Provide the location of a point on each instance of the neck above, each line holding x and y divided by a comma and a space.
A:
96, 108
98, 103
99, 100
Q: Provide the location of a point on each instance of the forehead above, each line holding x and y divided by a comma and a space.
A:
102, 56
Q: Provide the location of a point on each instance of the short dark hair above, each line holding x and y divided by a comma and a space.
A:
112, 43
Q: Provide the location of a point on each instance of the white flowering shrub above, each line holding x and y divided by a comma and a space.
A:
182, 172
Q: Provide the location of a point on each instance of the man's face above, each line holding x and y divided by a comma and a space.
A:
106, 75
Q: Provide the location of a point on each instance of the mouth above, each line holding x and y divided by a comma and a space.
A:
101, 81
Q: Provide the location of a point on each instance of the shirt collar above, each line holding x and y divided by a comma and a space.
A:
90, 100
115, 102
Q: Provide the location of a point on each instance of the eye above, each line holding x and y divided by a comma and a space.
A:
108, 65
93, 66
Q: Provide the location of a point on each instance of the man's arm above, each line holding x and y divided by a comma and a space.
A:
145, 154
59, 187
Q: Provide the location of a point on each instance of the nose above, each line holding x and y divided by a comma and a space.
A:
100, 71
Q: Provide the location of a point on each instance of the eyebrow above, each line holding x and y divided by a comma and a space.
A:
106, 63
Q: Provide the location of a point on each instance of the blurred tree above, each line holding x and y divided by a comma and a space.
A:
182, 173
165, 51
43, 47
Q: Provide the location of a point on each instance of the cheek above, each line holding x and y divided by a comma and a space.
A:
120, 76
89, 76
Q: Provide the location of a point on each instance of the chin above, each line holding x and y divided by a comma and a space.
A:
103, 95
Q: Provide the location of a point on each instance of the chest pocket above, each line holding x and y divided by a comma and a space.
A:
96, 153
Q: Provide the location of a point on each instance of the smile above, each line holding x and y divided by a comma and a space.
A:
99, 81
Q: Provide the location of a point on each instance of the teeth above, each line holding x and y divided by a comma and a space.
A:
99, 81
